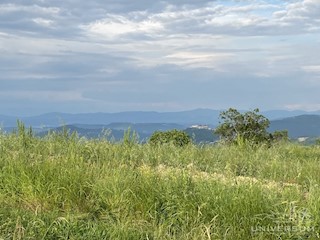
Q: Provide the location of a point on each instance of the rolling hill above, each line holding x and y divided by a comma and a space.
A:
298, 126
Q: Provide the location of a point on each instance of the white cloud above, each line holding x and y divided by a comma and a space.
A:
43, 22
48, 96
306, 11
252, 19
312, 69
115, 25
305, 106
36, 9
3, 34
198, 59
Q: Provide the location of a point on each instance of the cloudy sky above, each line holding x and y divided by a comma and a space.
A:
120, 55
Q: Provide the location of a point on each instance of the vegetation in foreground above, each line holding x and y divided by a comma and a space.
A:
65, 187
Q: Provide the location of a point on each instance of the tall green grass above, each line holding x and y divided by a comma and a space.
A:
65, 187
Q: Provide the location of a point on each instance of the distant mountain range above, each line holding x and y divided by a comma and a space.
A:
298, 126
298, 123
186, 118
199, 116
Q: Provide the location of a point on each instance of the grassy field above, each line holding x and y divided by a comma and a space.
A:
63, 187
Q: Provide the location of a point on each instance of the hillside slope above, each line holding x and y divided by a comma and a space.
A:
299, 126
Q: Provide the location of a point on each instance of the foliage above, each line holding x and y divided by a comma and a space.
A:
130, 137
278, 136
250, 126
178, 138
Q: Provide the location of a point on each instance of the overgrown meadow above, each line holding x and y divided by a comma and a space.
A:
65, 187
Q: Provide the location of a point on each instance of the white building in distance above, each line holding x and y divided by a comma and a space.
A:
200, 126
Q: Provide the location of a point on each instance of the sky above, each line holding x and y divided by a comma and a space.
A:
123, 55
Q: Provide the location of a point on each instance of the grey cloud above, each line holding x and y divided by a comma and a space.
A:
63, 19
203, 88
304, 14
157, 55
81, 66
210, 19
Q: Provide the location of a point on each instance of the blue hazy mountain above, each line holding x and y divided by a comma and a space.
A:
186, 118
145, 123
198, 116
298, 126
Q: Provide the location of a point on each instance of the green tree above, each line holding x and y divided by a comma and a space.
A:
178, 138
250, 126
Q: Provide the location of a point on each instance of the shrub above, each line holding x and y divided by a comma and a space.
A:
280, 136
178, 138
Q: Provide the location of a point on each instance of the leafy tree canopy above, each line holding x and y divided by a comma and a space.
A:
178, 138
249, 126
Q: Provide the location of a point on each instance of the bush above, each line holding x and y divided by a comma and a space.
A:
178, 138
280, 136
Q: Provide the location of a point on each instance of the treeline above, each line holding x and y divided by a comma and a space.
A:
234, 128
